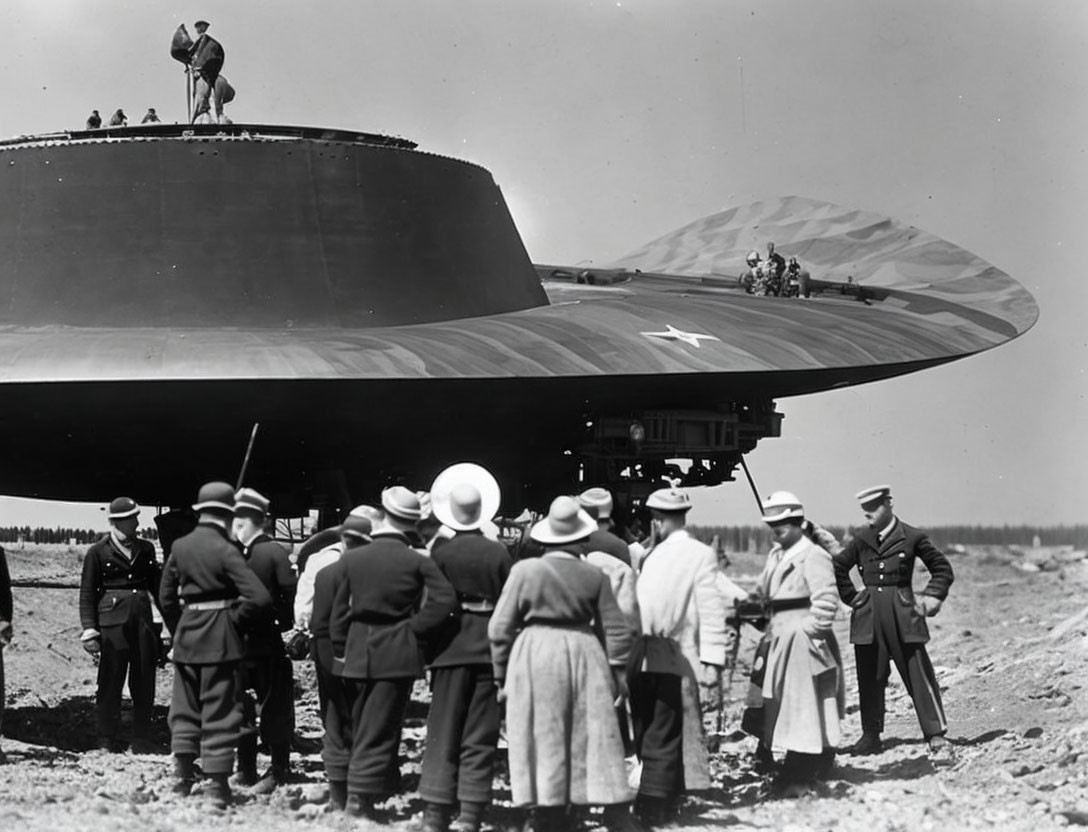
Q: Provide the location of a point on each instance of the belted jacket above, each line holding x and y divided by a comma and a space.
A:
210, 597
887, 569
116, 585
390, 602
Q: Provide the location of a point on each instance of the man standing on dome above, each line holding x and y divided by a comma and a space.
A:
210, 599
683, 646
266, 670
888, 621
120, 581
206, 58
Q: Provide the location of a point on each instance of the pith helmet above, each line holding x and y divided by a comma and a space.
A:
781, 506
566, 522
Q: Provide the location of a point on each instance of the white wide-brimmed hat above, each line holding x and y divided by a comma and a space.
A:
465, 496
566, 522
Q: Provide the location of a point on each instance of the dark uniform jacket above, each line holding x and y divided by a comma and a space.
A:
205, 566
326, 582
206, 57
603, 540
886, 569
477, 569
114, 588
379, 615
6, 604
271, 563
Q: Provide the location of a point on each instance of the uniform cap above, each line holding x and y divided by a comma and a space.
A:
123, 507
356, 526
566, 522
401, 503
669, 499
200, 23
873, 494
465, 496
250, 500
215, 496
781, 506
598, 498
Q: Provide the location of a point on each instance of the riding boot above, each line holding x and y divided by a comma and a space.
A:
218, 791
338, 793
184, 774
436, 817
247, 761
470, 817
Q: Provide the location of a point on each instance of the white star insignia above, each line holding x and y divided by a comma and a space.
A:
671, 333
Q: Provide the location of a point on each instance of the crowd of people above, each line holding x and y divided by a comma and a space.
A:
600, 656
775, 276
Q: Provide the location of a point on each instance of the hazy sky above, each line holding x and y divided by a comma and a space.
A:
609, 124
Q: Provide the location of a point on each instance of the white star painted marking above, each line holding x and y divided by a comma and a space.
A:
671, 333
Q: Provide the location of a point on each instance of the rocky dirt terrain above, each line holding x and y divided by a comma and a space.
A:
1010, 649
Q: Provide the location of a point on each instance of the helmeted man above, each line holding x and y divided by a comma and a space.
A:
118, 119
150, 117
94, 120
888, 621
683, 634
333, 699
266, 670
210, 598
120, 581
465, 716
753, 278
597, 503
796, 696
378, 628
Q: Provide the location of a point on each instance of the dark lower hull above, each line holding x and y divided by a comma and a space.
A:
337, 442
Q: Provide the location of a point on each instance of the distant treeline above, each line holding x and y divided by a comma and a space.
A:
82, 537
758, 538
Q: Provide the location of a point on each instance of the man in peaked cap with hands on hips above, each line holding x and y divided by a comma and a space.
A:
888, 621
119, 582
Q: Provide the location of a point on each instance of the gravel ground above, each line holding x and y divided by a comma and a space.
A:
1010, 649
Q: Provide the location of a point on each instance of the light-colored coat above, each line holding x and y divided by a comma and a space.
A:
621, 578
680, 603
802, 691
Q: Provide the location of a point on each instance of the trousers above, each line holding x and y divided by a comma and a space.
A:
130, 649
377, 717
657, 715
462, 735
874, 663
206, 714
271, 679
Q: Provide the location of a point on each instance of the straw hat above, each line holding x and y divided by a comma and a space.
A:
465, 496
566, 522
401, 503
873, 494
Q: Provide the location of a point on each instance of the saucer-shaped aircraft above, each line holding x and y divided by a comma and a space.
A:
372, 307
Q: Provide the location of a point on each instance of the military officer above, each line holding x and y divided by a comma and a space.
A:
210, 598
119, 582
376, 627
465, 716
888, 621
266, 671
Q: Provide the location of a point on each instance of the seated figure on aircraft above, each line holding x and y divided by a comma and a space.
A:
752, 279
